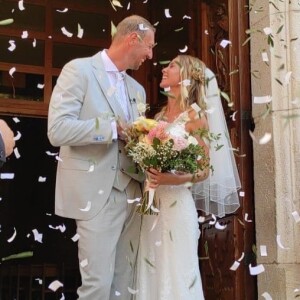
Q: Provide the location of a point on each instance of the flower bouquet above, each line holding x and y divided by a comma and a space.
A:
165, 147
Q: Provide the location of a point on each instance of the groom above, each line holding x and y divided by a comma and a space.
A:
93, 97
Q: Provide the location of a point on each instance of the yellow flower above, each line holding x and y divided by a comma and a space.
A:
144, 124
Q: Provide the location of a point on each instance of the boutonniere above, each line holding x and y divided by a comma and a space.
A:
141, 106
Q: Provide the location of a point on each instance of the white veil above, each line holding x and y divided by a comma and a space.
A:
218, 193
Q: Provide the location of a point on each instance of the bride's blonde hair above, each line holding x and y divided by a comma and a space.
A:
192, 69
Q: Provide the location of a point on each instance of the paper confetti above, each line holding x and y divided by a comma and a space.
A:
279, 243
21, 5
256, 270
13, 236
84, 263
12, 46
38, 237
75, 238
296, 216
12, 71
167, 13
267, 296
16, 152
263, 250
55, 285
88, 206
66, 32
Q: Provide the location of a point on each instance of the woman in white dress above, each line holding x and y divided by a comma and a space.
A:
168, 263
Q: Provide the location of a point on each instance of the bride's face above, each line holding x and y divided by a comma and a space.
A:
171, 75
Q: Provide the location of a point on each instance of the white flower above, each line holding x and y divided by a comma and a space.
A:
192, 140
141, 107
176, 130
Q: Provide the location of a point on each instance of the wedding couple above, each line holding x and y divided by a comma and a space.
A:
121, 254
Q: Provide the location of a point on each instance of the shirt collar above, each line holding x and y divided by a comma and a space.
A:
109, 66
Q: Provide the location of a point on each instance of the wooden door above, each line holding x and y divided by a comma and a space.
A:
207, 24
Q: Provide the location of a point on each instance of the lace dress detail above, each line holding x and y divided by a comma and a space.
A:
168, 264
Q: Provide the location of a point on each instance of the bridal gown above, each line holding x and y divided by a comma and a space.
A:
168, 263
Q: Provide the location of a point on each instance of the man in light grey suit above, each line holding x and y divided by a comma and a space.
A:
93, 97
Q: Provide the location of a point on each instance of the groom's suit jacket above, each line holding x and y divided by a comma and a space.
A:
90, 163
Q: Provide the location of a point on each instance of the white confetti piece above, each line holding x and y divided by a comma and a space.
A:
143, 27
16, 120
80, 31
132, 291
100, 192
66, 32
24, 34
12, 71
256, 270
242, 194
7, 175
61, 228
21, 5
233, 116
130, 201
51, 153
62, 296
157, 243
145, 1
62, 10
128, 6
279, 243
287, 78
13, 236
267, 30
214, 220
206, 32
246, 218
40, 86
117, 293
196, 107
225, 43
263, 250
55, 285
58, 158
219, 226
296, 216
75, 237
264, 56
91, 168
12, 46
201, 219
186, 17
183, 50
262, 99
88, 206
84, 263
34, 43
39, 280
234, 266
17, 136
42, 179
38, 237
167, 13
267, 296
242, 257
16, 152
265, 139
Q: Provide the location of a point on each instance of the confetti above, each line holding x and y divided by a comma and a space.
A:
130, 201
38, 237
42, 179
296, 216
262, 99
51, 153
16, 152
214, 220
256, 270
40, 86
62, 10
242, 194
267, 296
66, 32
80, 31
167, 13
55, 285
142, 27
246, 218
75, 238
183, 50
265, 139
84, 263
12, 46
88, 206
24, 35
267, 30
7, 175
264, 56
279, 243
225, 43
13, 236
16, 120
234, 266
132, 291
263, 250
34, 43
201, 219
21, 5
12, 71
186, 17
6, 22
219, 226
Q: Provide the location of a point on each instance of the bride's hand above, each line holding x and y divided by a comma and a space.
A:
157, 178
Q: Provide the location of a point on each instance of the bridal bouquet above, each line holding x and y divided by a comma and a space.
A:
165, 147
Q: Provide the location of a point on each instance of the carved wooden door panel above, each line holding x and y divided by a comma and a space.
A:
222, 21
209, 24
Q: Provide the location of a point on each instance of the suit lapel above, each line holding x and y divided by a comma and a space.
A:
108, 90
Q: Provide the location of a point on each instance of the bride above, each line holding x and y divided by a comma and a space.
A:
168, 263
